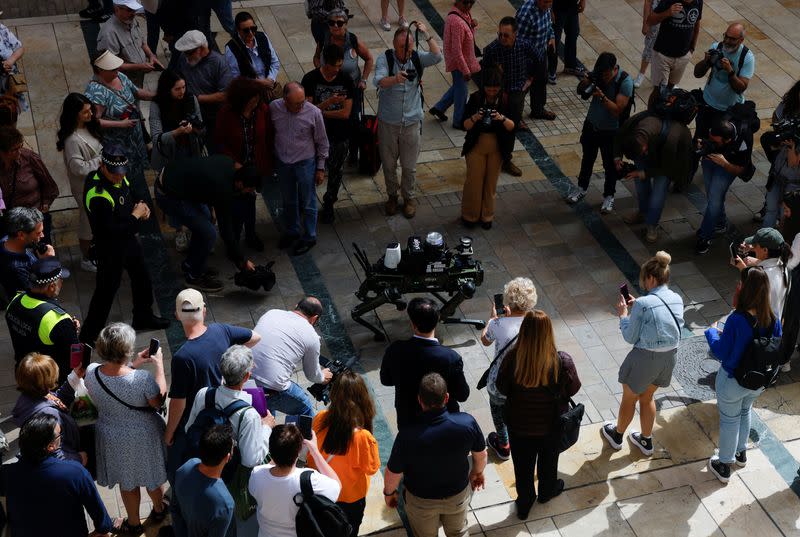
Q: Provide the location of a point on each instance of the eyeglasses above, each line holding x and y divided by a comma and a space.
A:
338, 24
249, 29
727, 37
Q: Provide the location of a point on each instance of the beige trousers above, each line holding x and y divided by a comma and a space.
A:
424, 515
483, 170
399, 142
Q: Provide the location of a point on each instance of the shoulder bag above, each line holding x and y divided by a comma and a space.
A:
478, 52
147, 409
568, 423
673, 315
485, 377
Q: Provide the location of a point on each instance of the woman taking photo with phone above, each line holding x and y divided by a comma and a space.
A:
537, 381
344, 437
753, 316
652, 324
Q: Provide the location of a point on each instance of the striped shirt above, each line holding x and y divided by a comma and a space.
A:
536, 25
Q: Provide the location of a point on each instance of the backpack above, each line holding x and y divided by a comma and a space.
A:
207, 418
676, 104
745, 118
761, 360
417, 65
626, 113
317, 515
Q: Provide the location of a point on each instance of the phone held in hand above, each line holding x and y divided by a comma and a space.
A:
86, 359
155, 344
498, 304
734, 250
303, 423
75, 355
623, 290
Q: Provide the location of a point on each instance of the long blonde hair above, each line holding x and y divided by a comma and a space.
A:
537, 362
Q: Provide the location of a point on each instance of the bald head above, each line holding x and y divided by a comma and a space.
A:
736, 30
310, 308
733, 38
294, 96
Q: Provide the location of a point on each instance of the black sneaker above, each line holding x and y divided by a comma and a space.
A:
702, 246
741, 458
438, 114
720, 470
644, 443
502, 451
205, 283
326, 215
301, 247
557, 492
614, 438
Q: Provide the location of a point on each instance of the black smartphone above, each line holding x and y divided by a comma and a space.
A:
623, 290
86, 359
75, 355
154, 346
498, 304
158, 67
304, 424
734, 250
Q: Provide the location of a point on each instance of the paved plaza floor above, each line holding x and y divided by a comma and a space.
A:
576, 257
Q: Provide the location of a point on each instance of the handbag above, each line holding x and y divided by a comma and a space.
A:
478, 51
82, 409
17, 83
485, 377
150, 410
568, 423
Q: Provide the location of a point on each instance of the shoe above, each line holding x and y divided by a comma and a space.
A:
206, 283
557, 492
326, 215
741, 458
511, 169
402, 22
153, 322
391, 206
543, 114
502, 451
787, 367
126, 529
637, 82
254, 243
633, 219
467, 224
181, 241
89, 265
720, 470
301, 247
286, 241
651, 235
385, 25
721, 229
486, 225
577, 71
610, 433
608, 205
551, 79
410, 208
701, 246
438, 114
644, 443
523, 509
576, 195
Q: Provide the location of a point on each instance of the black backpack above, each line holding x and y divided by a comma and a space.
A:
675, 104
318, 516
626, 113
761, 360
207, 418
745, 118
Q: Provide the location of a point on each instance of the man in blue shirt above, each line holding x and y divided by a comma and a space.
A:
250, 53
432, 459
400, 113
536, 24
613, 90
46, 495
204, 507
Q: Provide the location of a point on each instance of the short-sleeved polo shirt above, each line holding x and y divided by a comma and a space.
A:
432, 455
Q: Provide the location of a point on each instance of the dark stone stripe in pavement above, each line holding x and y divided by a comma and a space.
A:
776, 452
166, 284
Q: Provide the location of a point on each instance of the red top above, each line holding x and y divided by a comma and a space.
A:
229, 137
459, 43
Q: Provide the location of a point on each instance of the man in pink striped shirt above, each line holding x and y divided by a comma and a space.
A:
460, 60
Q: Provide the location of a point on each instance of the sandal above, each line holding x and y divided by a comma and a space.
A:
126, 529
544, 114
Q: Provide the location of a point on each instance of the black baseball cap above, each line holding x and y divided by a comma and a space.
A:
47, 270
113, 156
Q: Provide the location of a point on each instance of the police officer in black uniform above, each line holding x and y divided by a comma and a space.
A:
37, 322
114, 215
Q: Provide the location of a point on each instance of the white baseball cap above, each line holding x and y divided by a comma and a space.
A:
130, 4
189, 301
191, 40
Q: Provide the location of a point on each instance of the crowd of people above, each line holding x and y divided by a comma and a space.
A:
221, 126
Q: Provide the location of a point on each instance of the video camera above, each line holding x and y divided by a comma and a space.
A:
322, 392
585, 91
262, 276
786, 129
425, 266
706, 148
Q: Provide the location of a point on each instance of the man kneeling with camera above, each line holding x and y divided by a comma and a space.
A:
724, 155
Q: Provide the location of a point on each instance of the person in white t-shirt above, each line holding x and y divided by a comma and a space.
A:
519, 297
275, 485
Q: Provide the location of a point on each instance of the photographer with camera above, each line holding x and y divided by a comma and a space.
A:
176, 123
784, 176
658, 148
726, 154
611, 90
488, 144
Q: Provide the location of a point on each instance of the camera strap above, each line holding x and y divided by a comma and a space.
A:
742, 56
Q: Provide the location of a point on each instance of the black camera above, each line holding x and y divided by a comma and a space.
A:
715, 57
627, 167
41, 248
193, 120
706, 148
486, 120
322, 392
411, 74
786, 129
587, 86
262, 276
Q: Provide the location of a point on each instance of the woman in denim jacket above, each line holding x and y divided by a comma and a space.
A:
654, 329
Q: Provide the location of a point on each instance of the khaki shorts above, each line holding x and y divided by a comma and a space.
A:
666, 70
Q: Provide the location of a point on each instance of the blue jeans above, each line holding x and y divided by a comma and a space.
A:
197, 218
224, 11
717, 182
299, 195
293, 401
652, 194
496, 407
774, 209
455, 95
734, 404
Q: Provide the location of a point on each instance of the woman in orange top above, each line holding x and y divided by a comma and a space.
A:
344, 436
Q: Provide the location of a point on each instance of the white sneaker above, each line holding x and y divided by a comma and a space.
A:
608, 205
576, 195
785, 368
88, 265
385, 25
181, 241
638, 81
402, 22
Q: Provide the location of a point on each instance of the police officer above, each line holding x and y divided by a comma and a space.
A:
37, 322
113, 216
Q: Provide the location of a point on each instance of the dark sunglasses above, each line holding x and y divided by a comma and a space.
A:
338, 24
505, 35
249, 30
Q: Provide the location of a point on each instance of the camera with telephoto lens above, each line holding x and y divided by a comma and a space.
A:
587, 90
261, 276
706, 148
786, 129
486, 120
714, 58
411, 74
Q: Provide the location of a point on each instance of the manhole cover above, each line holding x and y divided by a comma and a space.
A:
696, 369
